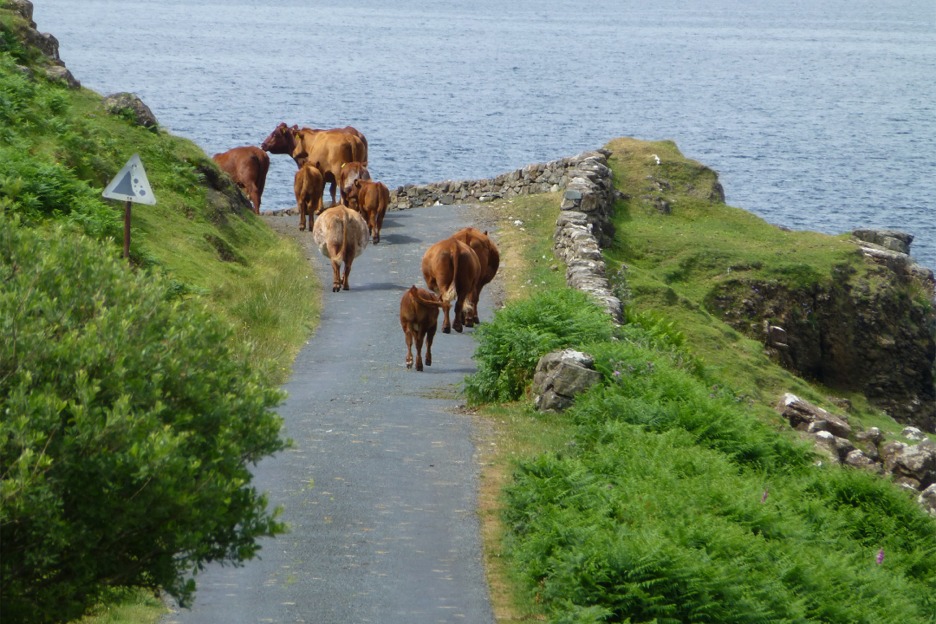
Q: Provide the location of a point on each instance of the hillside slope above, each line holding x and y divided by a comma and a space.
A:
60, 147
837, 311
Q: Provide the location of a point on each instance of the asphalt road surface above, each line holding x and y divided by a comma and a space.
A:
379, 489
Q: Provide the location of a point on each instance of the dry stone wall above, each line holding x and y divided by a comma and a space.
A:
584, 224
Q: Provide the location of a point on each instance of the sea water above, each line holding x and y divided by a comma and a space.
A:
817, 115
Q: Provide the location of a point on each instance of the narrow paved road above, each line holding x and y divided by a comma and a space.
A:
379, 489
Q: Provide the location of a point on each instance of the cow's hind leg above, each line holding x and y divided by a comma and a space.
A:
446, 325
468, 313
430, 334
475, 320
347, 272
336, 276
420, 334
254, 194
458, 315
408, 332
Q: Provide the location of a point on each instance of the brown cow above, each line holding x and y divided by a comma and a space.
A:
489, 257
419, 317
330, 148
308, 184
451, 270
247, 166
341, 235
349, 173
372, 199
358, 134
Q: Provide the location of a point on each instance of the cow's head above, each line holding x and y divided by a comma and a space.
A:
282, 140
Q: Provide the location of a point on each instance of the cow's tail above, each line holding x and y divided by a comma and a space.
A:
450, 293
415, 294
344, 237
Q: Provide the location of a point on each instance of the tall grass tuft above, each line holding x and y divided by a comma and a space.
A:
512, 343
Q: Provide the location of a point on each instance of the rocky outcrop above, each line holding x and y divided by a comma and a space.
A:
871, 332
912, 466
45, 43
130, 107
559, 377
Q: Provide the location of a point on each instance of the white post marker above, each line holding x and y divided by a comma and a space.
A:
130, 184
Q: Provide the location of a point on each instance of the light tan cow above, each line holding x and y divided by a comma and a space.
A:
341, 235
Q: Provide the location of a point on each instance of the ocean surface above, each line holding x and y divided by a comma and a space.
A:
816, 114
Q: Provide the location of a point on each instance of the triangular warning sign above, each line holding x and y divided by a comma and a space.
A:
130, 184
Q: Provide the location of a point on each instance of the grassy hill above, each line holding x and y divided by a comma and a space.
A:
673, 491
59, 150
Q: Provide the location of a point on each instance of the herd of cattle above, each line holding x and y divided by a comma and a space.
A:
455, 269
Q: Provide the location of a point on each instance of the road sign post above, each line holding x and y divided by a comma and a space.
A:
131, 185
127, 229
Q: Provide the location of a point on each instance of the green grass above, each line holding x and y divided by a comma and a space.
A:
662, 497
128, 607
678, 261
60, 148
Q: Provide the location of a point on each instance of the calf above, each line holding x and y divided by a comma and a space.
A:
419, 317
350, 173
372, 199
341, 235
309, 185
451, 270
247, 166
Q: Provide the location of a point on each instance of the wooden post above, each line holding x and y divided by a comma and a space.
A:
127, 229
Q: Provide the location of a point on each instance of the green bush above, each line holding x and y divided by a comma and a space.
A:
39, 191
127, 426
512, 343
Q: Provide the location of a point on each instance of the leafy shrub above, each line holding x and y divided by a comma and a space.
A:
519, 334
127, 426
39, 190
